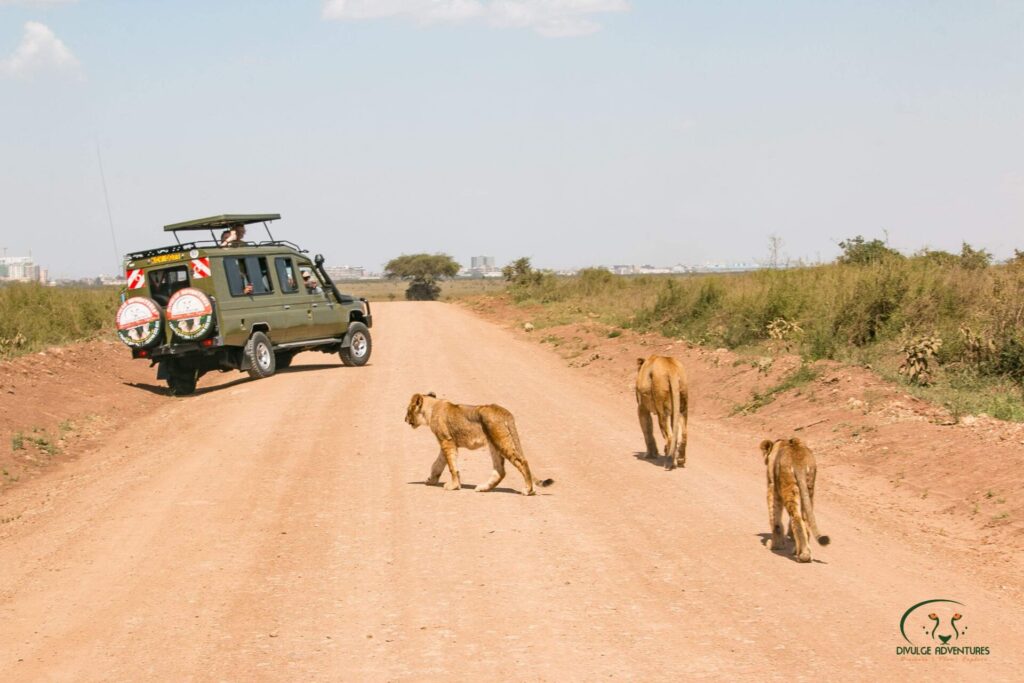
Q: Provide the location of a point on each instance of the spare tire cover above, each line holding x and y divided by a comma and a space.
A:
190, 314
140, 322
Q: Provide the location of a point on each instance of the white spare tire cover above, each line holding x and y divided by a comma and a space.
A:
190, 314
140, 322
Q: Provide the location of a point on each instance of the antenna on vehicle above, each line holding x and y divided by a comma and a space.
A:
110, 218
266, 226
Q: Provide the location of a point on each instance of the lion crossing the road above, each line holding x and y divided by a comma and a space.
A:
459, 426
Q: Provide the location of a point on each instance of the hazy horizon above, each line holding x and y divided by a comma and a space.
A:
575, 132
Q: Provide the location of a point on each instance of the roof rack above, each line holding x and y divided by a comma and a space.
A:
209, 244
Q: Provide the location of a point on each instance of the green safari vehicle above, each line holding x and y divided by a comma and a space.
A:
231, 304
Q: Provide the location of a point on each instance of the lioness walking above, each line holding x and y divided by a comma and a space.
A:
661, 389
791, 470
457, 426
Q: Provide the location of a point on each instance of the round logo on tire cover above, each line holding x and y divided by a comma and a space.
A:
139, 322
190, 313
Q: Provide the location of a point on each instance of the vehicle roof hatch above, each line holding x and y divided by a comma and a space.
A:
223, 221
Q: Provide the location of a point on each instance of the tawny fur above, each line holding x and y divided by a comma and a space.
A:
457, 426
791, 470
661, 389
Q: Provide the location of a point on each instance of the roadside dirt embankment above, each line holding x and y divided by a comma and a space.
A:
959, 480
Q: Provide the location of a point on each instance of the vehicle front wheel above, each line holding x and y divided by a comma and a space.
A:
360, 345
261, 356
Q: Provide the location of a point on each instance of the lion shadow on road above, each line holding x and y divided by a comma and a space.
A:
786, 552
658, 461
470, 487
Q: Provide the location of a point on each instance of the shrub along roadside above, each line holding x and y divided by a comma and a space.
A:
33, 317
971, 314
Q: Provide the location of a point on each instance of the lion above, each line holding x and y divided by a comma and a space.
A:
458, 426
791, 470
661, 389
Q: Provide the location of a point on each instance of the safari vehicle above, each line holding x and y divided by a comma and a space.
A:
198, 306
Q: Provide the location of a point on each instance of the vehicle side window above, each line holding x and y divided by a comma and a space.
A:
167, 281
257, 265
248, 275
286, 275
310, 281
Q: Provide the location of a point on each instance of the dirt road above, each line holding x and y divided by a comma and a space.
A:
280, 530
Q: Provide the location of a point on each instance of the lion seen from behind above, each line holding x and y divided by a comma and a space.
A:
661, 389
791, 473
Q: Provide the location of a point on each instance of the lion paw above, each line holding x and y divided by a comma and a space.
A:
669, 466
453, 485
433, 481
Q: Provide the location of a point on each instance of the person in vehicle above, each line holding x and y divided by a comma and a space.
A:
312, 286
233, 236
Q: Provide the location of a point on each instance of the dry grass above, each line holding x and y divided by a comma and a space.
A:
33, 317
855, 313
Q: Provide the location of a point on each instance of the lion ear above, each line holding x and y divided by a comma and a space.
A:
417, 400
766, 446
640, 362
432, 395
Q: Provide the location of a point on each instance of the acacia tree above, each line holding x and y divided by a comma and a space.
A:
422, 271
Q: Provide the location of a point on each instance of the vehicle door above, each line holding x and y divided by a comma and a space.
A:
324, 312
297, 323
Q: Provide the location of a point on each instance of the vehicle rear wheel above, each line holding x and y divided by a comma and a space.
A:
360, 345
182, 382
261, 356
284, 359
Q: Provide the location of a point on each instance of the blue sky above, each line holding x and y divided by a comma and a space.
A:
576, 132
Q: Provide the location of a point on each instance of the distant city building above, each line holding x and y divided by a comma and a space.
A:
482, 262
482, 266
346, 272
21, 269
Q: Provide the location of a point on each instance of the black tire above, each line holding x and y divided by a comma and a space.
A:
360, 347
262, 362
284, 359
183, 382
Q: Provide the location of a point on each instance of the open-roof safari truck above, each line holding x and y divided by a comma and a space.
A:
201, 305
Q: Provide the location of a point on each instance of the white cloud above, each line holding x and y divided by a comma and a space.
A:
552, 18
39, 50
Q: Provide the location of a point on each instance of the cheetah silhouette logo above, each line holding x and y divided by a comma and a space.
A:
941, 623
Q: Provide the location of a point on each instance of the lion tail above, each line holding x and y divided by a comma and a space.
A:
808, 506
510, 424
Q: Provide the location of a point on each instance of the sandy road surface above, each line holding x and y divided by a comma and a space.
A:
280, 530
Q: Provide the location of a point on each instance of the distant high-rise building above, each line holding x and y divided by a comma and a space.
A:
481, 265
19, 268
